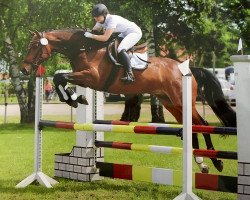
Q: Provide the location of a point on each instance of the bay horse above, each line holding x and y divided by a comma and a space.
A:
209, 90
91, 67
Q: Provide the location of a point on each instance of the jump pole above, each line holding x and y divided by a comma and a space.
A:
242, 85
38, 175
187, 193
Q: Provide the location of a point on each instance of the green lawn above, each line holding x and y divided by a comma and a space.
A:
16, 162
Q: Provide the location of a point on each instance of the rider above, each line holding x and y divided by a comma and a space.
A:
129, 32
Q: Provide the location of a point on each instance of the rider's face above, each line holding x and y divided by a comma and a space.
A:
99, 19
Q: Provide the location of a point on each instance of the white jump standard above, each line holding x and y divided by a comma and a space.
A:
38, 175
242, 83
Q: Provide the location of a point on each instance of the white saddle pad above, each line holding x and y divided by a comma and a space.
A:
138, 60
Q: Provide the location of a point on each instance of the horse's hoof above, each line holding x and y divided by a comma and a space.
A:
73, 104
219, 165
82, 100
204, 168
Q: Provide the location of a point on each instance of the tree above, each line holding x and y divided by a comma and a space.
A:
238, 11
200, 28
17, 17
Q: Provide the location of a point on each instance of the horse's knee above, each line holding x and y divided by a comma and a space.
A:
59, 79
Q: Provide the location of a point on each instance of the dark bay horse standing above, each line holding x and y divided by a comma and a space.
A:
91, 68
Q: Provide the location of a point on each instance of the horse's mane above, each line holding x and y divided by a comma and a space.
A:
79, 34
68, 29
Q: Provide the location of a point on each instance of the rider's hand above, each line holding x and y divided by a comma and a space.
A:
88, 34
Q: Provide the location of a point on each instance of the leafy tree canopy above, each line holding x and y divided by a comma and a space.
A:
198, 26
18, 17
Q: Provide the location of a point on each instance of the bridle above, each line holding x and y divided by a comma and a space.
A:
43, 44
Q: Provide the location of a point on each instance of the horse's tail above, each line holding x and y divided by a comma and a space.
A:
213, 94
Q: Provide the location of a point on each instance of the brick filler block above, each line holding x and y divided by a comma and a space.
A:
243, 180
79, 164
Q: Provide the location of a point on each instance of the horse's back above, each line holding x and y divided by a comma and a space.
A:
167, 68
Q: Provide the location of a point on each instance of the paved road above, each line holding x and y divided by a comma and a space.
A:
63, 109
60, 109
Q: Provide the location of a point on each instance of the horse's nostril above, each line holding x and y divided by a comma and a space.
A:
24, 71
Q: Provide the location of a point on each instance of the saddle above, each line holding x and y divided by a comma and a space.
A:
138, 57
133, 52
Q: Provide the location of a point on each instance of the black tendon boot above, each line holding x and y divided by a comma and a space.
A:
125, 61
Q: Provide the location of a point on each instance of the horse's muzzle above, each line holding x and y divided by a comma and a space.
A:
25, 69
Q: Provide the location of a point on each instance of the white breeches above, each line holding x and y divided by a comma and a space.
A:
129, 40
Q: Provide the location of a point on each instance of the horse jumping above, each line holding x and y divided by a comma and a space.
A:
91, 68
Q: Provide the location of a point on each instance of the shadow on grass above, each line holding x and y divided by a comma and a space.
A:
98, 189
13, 127
109, 185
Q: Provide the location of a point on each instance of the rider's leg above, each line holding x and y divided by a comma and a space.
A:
125, 61
128, 42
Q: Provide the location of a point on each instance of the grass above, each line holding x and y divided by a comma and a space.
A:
16, 162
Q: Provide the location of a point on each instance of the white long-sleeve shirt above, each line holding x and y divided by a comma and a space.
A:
119, 24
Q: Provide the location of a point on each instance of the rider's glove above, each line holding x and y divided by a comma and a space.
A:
88, 34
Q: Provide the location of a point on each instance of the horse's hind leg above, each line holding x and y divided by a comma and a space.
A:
176, 111
199, 160
217, 163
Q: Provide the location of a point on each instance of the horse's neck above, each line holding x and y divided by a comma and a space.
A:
77, 50
66, 42
69, 49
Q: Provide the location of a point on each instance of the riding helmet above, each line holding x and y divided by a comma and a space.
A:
99, 9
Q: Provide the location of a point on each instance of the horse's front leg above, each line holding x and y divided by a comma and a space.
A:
217, 163
65, 93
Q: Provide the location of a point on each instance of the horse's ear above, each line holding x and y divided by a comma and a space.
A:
32, 32
38, 34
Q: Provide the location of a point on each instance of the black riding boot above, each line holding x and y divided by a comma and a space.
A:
125, 61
